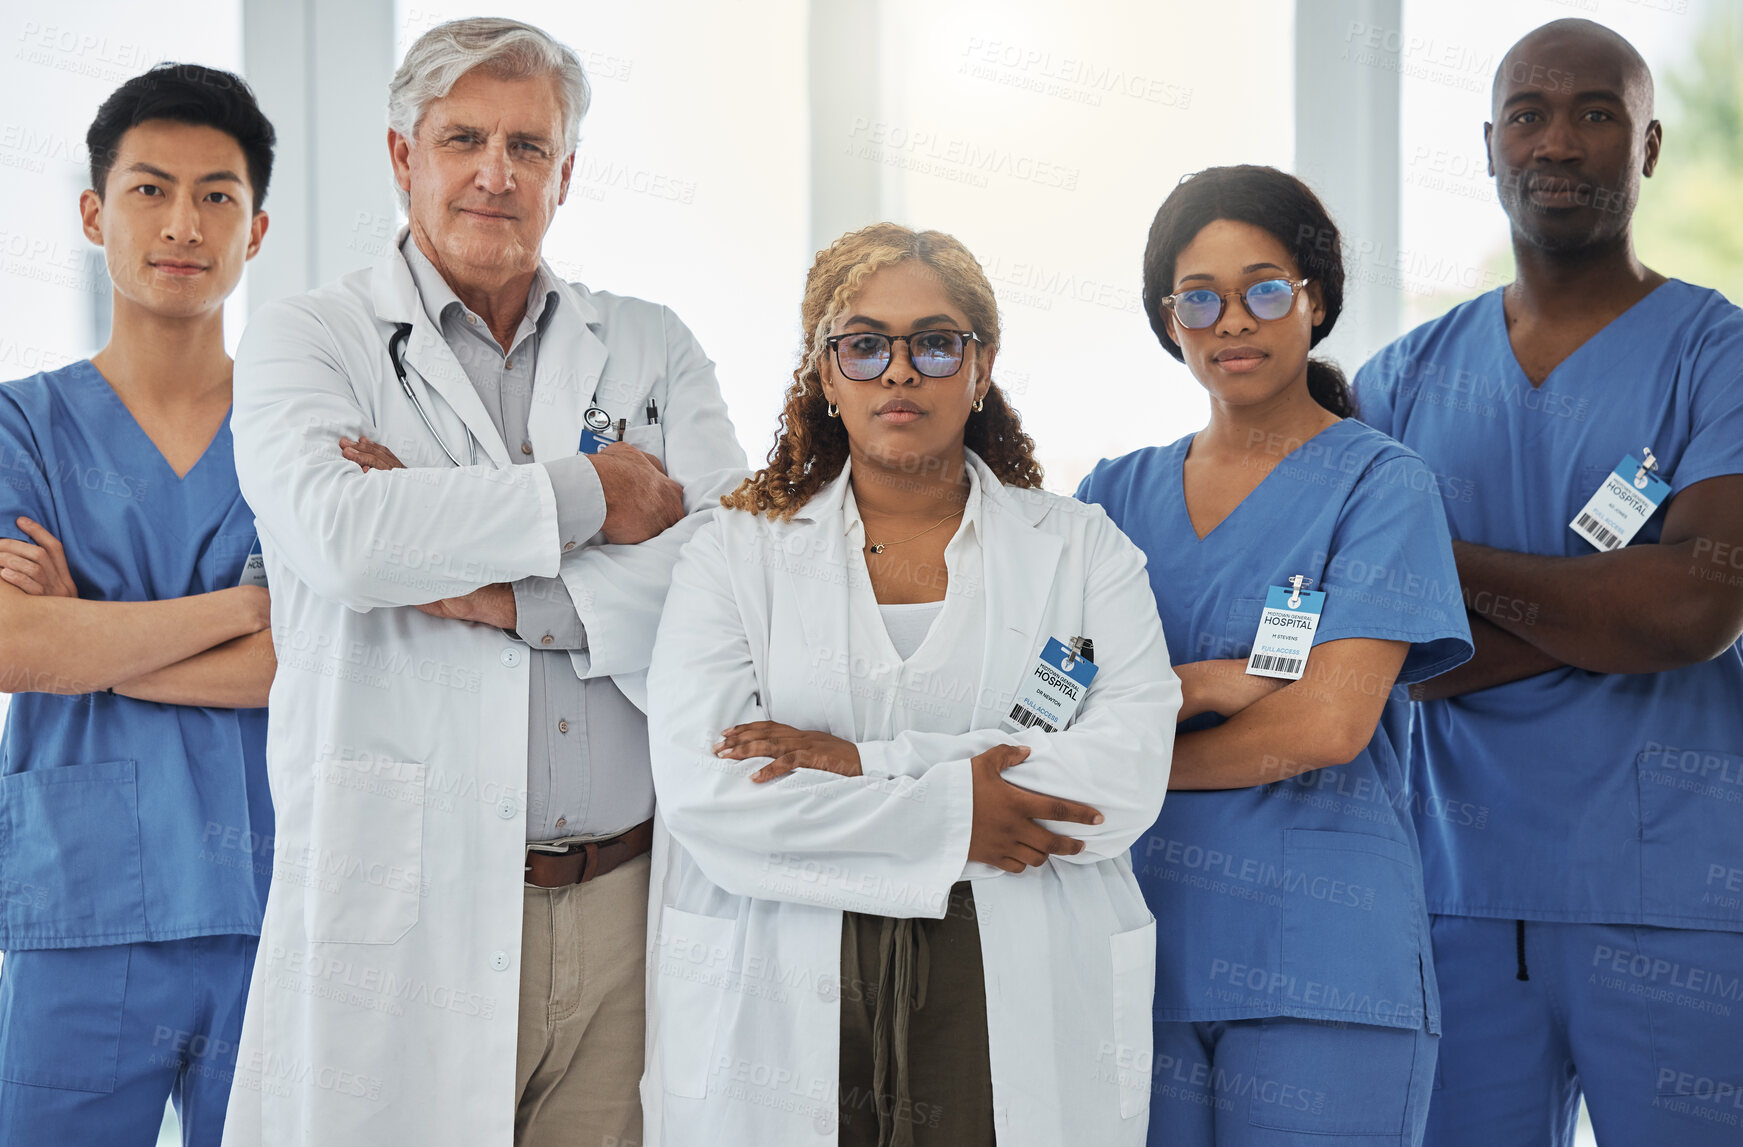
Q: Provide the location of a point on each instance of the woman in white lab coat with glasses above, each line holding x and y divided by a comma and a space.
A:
908, 713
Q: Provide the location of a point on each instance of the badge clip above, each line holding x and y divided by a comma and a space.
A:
1650, 465
1082, 649
1296, 585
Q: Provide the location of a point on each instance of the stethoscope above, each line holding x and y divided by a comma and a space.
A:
596, 419
395, 349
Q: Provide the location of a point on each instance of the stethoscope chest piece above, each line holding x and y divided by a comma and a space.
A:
597, 420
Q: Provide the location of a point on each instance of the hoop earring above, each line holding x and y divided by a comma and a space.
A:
834, 411
979, 404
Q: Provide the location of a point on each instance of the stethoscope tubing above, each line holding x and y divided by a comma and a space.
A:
395, 350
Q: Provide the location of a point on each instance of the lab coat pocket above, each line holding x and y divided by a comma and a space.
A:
1352, 947
648, 439
1134, 963
362, 873
69, 855
1688, 835
693, 960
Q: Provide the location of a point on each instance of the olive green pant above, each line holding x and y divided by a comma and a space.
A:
914, 1065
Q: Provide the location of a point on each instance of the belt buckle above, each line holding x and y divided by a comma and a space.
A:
588, 850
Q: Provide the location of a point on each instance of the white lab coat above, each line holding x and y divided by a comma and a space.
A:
750, 881
383, 1007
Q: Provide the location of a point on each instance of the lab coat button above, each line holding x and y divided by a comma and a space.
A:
506, 808
499, 960
567, 546
824, 1121
547, 639
827, 990
526, 447
511, 657
562, 726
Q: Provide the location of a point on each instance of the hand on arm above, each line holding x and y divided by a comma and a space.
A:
1005, 833
39, 570
1640, 609
791, 749
641, 502
1326, 718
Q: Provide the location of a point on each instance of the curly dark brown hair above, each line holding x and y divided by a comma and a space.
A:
812, 447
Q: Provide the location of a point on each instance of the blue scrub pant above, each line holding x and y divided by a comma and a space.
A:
1283, 1082
1648, 1022
93, 1040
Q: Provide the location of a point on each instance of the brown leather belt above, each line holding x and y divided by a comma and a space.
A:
583, 862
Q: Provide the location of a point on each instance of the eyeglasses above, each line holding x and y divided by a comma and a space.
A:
1201, 307
865, 355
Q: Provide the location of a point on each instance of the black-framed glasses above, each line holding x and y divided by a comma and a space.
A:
1268, 299
865, 355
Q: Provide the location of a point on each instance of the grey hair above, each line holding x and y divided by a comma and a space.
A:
506, 49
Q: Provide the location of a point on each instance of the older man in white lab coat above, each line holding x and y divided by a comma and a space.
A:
453, 949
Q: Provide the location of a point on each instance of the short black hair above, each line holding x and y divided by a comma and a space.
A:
191, 94
1273, 201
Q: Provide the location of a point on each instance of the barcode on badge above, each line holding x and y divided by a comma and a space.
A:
1270, 664
1026, 718
1596, 531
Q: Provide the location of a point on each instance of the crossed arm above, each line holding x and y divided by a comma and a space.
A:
1640, 609
1277, 729
212, 649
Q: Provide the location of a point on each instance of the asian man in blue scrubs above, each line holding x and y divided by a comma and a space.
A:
1578, 785
135, 822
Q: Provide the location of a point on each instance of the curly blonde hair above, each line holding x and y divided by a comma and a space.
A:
812, 447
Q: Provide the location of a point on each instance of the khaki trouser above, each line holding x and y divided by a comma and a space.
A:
583, 1006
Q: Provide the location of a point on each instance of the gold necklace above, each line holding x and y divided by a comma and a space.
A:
878, 547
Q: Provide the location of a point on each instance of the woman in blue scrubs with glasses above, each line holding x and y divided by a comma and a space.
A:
1302, 567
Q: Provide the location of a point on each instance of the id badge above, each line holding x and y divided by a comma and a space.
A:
1051, 693
254, 569
592, 441
1618, 508
1285, 634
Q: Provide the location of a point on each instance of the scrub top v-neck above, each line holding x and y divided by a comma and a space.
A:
1302, 897
123, 820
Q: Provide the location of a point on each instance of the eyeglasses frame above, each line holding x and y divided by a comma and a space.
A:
1296, 286
833, 342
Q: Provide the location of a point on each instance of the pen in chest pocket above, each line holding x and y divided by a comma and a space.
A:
600, 431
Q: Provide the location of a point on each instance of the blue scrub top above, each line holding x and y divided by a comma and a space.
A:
124, 820
1576, 796
1302, 897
